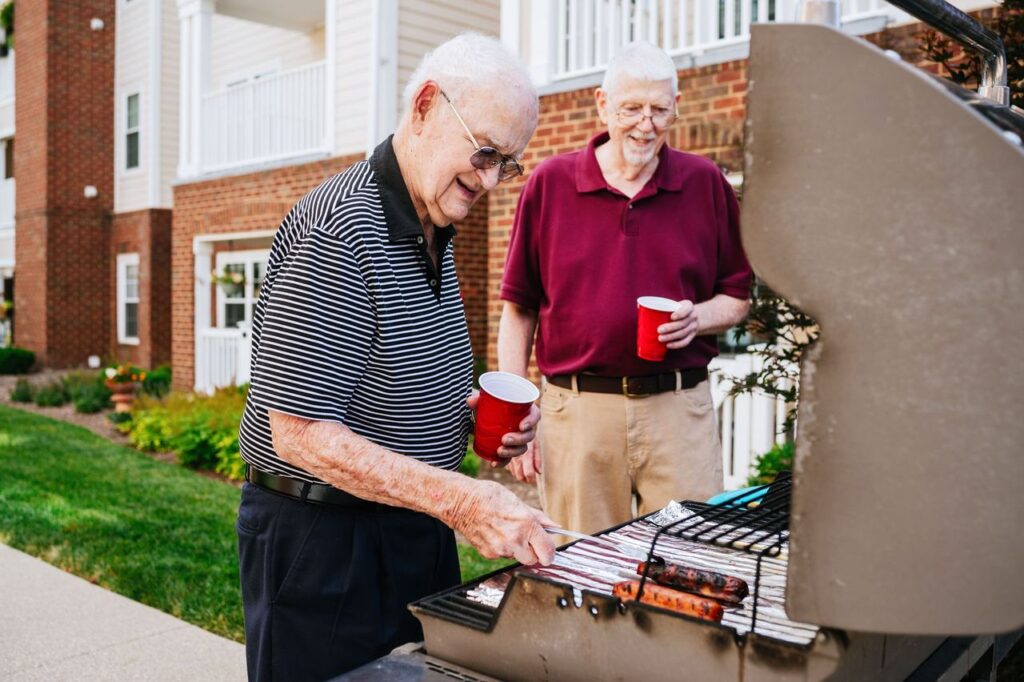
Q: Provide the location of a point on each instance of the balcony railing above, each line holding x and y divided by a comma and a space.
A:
7, 77
589, 32
272, 118
7, 204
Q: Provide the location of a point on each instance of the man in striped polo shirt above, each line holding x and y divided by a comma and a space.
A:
360, 402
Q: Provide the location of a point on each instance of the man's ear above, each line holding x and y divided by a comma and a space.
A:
423, 101
601, 99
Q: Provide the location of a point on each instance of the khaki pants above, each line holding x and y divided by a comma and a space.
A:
599, 451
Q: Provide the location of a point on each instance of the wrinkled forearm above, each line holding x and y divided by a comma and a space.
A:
515, 338
720, 314
345, 460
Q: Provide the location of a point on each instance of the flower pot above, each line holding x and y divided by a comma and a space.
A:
233, 289
123, 394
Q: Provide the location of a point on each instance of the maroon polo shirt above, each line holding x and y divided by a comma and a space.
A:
581, 253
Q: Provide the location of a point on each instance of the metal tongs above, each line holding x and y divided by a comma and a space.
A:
618, 546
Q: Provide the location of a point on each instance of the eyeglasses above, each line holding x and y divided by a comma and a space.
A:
661, 117
486, 158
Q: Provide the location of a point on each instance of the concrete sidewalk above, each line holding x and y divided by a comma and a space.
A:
55, 626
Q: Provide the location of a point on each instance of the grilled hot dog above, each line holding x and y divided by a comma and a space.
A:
708, 583
672, 600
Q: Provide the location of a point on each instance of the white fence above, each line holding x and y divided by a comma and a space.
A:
7, 77
223, 358
749, 424
589, 32
7, 203
270, 118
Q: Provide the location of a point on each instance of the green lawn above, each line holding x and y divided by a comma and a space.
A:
155, 532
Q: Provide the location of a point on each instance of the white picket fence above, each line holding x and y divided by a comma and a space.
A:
223, 358
589, 32
749, 423
271, 118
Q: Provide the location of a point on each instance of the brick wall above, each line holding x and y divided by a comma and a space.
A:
241, 203
147, 233
259, 201
64, 119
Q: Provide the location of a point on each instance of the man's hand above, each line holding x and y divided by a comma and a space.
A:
683, 328
527, 467
499, 524
512, 444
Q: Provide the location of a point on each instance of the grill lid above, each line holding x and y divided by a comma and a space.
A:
885, 207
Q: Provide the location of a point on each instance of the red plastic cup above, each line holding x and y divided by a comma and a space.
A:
652, 312
505, 401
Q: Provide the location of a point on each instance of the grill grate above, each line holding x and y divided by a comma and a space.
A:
762, 530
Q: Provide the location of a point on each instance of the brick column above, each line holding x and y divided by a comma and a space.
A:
64, 119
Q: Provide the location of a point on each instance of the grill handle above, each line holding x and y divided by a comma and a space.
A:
949, 20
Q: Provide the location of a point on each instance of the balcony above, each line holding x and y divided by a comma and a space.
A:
265, 120
584, 34
255, 84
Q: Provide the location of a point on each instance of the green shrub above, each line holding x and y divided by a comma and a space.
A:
15, 360
122, 421
471, 462
86, 391
768, 465
91, 398
157, 383
51, 395
201, 430
22, 392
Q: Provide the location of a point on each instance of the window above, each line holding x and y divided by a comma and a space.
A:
128, 298
235, 302
132, 132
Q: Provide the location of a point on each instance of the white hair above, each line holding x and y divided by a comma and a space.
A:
472, 60
642, 61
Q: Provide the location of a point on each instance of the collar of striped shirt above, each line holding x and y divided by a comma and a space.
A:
399, 212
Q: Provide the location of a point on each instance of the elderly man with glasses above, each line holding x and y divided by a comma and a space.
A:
594, 230
360, 403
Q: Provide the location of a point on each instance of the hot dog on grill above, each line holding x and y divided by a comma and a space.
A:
670, 599
699, 581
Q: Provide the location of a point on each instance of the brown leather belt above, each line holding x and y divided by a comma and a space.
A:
631, 387
317, 493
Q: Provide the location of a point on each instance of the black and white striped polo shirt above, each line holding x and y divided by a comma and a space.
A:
355, 325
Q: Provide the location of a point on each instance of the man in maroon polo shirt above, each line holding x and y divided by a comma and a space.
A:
595, 229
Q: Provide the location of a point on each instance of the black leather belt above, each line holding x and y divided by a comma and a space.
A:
631, 386
318, 493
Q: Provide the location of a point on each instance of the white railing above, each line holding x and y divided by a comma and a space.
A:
223, 358
267, 119
749, 423
7, 203
7, 77
590, 32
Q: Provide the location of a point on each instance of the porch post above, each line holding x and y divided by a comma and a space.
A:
195, 17
543, 20
203, 257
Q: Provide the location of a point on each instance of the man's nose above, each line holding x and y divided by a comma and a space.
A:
646, 123
490, 177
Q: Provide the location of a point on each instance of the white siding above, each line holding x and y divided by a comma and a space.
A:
170, 58
423, 25
238, 46
352, 75
131, 71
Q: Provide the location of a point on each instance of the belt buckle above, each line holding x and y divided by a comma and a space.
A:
625, 389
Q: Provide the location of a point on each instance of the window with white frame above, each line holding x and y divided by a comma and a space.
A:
239, 276
131, 137
128, 298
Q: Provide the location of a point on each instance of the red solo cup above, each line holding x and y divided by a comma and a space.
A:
652, 312
505, 401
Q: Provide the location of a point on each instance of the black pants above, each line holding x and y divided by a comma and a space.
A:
326, 587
